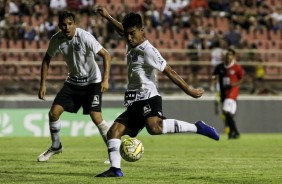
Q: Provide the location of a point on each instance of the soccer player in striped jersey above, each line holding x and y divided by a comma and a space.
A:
84, 84
142, 98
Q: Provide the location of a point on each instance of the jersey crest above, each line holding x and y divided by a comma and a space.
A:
76, 46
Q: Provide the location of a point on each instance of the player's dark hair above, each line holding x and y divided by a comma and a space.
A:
65, 15
132, 20
232, 51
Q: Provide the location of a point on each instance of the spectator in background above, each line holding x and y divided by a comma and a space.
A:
259, 75
37, 9
206, 34
219, 5
49, 27
28, 32
57, 5
229, 75
2, 9
238, 15
276, 18
199, 7
149, 12
233, 36
195, 46
262, 15
171, 11
86, 6
13, 8
8, 29
24, 9
216, 54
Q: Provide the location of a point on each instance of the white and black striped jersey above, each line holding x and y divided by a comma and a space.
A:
79, 54
142, 62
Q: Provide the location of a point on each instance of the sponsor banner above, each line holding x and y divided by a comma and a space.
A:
34, 122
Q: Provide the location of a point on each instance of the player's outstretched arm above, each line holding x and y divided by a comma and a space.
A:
176, 79
44, 71
105, 14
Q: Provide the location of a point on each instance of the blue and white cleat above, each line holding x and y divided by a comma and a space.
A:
206, 130
112, 172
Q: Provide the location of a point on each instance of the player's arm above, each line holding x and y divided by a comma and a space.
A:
118, 26
176, 79
44, 70
107, 65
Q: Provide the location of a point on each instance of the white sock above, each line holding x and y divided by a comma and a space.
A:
176, 126
103, 129
55, 128
113, 150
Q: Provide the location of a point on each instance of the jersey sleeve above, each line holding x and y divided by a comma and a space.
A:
155, 59
52, 47
240, 72
92, 43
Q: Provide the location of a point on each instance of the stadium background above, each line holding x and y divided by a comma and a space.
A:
187, 38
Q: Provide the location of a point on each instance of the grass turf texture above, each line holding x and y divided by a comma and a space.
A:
254, 158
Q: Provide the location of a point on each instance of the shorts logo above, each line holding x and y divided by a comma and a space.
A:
146, 110
95, 100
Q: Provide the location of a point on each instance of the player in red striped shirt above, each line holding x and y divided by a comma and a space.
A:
229, 74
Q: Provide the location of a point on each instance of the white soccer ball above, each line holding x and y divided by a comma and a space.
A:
131, 149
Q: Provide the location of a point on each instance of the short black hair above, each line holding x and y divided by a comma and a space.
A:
64, 15
231, 50
132, 19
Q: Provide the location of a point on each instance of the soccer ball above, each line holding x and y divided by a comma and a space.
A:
131, 149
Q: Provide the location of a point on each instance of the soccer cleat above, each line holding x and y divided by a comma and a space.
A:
206, 130
48, 153
233, 135
112, 172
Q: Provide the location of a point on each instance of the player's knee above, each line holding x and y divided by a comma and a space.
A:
96, 118
153, 127
53, 116
115, 132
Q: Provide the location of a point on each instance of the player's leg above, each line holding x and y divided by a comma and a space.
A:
229, 110
102, 127
100, 123
114, 135
125, 124
93, 104
156, 124
63, 101
55, 127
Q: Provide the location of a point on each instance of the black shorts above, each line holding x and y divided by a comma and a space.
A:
136, 114
72, 97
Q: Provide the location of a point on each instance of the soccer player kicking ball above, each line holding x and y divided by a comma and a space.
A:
142, 99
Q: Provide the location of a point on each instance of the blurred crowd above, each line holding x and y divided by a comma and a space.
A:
207, 24
37, 20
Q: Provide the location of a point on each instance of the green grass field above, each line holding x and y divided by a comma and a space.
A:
254, 158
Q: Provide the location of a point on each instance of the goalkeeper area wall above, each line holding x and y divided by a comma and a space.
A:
28, 116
